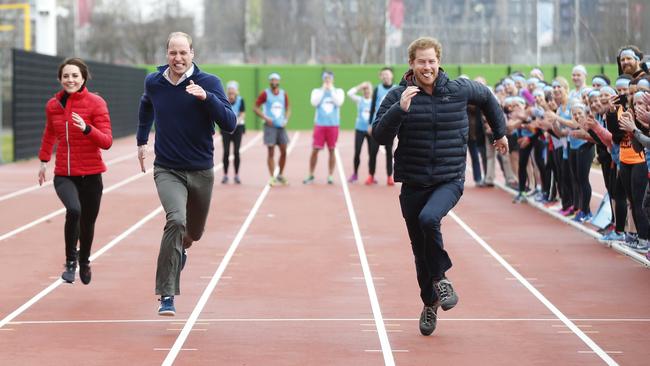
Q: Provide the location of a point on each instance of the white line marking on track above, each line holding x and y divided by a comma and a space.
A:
584, 331
106, 190
205, 296
578, 332
58, 282
367, 274
394, 351
50, 182
613, 352
182, 349
103, 250
278, 320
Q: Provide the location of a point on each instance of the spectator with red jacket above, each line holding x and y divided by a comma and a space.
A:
78, 123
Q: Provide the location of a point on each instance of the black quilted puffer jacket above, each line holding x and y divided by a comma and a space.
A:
432, 135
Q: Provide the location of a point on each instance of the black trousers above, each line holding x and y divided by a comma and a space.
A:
359, 137
81, 196
524, 156
580, 160
423, 208
634, 178
374, 149
235, 139
564, 177
620, 199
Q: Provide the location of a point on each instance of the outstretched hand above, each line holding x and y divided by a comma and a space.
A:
196, 90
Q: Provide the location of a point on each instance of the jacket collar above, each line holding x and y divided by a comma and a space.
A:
409, 79
74, 96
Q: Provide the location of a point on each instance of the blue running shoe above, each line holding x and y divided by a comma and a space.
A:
578, 217
586, 217
166, 307
613, 236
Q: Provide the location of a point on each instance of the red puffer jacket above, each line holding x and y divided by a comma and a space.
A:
77, 152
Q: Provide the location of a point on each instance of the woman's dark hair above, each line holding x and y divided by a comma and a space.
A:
83, 68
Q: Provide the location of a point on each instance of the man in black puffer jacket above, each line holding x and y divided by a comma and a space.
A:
428, 113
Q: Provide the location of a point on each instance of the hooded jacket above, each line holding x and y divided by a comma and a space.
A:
78, 152
432, 135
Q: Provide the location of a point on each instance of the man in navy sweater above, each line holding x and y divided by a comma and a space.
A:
185, 103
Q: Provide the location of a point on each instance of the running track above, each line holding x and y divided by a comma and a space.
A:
310, 275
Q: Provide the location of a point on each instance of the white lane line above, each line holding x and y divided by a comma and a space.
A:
106, 190
394, 351
612, 352
617, 246
367, 274
50, 182
201, 321
182, 349
578, 332
205, 296
58, 282
102, 250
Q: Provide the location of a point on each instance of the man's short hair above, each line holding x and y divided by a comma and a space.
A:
424, 43
387, 68
179, 34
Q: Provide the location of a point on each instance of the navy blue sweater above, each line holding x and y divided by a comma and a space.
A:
184, 124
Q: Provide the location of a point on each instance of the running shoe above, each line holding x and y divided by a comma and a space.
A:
273, 181
330, 179
428, 319
183, 258
567, 211
586, 217
519, 198
70, 269
353, 178
631, 238
166, 307
390, 181
281, 180
447, 297
237, 180
224, 180
370, 180
638, 245
578, 216
85, 275
308, 180
613, 236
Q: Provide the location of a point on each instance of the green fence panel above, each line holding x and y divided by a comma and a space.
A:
299, 80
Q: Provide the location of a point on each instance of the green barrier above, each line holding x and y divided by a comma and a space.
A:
299, 80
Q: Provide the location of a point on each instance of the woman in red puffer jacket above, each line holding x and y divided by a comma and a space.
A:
79, 124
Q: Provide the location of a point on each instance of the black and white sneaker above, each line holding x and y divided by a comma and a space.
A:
428, 319
70, 269
447, 297
85, 275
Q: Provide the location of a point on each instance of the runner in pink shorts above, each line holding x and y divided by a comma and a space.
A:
327, 100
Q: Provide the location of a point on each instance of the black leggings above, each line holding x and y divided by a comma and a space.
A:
634, 178
359, 136
81, 196
374, 149
580, 160
524, 156
235, 138
619, 198
564, 178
